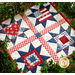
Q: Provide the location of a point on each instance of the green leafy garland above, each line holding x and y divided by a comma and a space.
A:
51, 67
9, 9
7, 65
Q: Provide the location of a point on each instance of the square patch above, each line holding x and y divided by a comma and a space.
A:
64, 39
58, 17
37, 13
36, 43
39, 27
29, 33
45, 15
47, 36
32, 59
38, 35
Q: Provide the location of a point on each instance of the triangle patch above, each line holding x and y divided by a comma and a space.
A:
53, 46
66, 50
52, 19
33, 10
52, 40
52, 9
58, 48
45, 57
19, 22
34, 70
53, 13
37, 22
31, 47
12, 21
2, 31
49, 23
22, 35
68, 31
53, 34
44, 23
48, 7
41, 7
31, 15
44, 52
22, 53
61, 29
39, 49
56, 30
23, 24
20, 60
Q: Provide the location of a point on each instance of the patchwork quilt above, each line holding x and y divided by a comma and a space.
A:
41, 34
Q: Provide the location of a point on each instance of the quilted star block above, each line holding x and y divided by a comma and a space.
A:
32, 59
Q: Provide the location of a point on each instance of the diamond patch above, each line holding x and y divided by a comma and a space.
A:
64, 39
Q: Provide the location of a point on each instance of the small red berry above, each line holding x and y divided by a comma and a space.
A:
11, 40
54, 35
23, 33
58, 51
73, 43
4, 26
65, 49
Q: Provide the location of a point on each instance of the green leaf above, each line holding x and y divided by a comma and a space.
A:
69, 26
36, 3
25, 71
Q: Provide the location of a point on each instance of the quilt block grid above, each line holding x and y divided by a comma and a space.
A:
41, 34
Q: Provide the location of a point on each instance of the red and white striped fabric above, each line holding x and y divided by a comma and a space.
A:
45, 15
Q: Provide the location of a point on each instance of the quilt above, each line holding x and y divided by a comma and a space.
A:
41, 34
